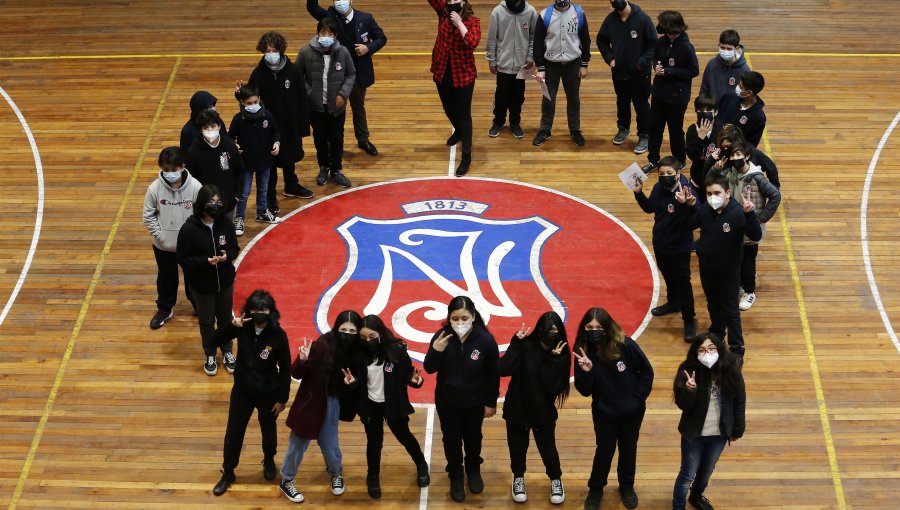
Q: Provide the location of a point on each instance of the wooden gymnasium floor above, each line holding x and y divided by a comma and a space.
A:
99, 411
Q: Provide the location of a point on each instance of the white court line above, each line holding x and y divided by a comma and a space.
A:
429, 435
451, 171
864, 232
39, 218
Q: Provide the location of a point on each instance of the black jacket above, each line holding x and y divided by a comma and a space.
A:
757, 157
197, 243
700, 152
695, 403
263, 363
201, 100
751, 121
256, 136
631, 43
680, 62
671, 232
284, 94
362, 29
537, 376
618, 388
396, 380
466, 372
221, 166
721, 243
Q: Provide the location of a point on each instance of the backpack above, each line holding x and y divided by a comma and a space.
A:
548, 14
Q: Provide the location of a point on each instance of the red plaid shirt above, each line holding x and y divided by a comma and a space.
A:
449, 44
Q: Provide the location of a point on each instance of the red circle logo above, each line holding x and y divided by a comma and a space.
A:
403, 249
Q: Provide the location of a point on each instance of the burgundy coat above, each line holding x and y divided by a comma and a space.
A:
307, 412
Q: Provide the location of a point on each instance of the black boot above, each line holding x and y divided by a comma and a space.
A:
690, 331
665, 309
269, 470
423, 478
457, 489
476, 483
464, 163
373, 486
454, 138
227, 479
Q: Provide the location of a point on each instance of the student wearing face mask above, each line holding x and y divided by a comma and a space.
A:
612, 370
723, 223
200, 101
723, 72
358, 32
730, 135
538, 365
261, 382
330, 76
216, 160
206, 250
672, 240
254, 129
325, 397
168, 204
700, 139
464, 355
709, 390
453, 70
509, 51
385, 374
745, 109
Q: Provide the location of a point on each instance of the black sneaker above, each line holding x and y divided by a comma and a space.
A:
230, 363
269, 470
541, 137
289, 489
225, 482
160, 318
476, 483
457, 490
517, 131
592, 501
699, 501
322, 178
629, 497
337, 485
648, 167
275, 210
211, 367
494, 132
373, 486
643, 144
557, 492
296, 192
267, 217
665, 309
454, 139
518, 490
423, 478
621, 136
341, 179
577, 137
690, 331
238, 226
368, 148
464, 163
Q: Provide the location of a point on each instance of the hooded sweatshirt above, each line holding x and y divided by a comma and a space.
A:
166, 209
680, 62
765, 196
751, 121
721, 244
511, 37
340, 75
197, 243
671, 232
256, 133
618, 388
630, 43
221, 165
720, 77
201, 100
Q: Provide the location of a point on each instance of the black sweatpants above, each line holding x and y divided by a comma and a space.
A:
461, 430
748, 268
457, 103
611, 432
721, 289
676, 271
375, 438
671, 115
167, 280
635, 91
509, 96
213, 308
357, 101
544, 438
328, 135
240, 409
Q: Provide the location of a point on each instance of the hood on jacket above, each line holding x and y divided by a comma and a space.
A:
314, 44
741, 59
201, 100
185, 177
754, 169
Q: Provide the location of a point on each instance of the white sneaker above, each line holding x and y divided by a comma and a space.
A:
518, 490
290, 491
557, 492
239, 226
747, 301
337, 485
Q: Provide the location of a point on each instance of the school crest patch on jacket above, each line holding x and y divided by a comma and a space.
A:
475, 354
620, 366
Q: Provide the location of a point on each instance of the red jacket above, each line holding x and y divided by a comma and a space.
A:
449, 44
307, 412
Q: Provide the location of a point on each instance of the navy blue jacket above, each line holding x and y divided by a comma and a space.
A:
680, 62
221, 165
197, 243
751, 121
466, 372
630, 43
618, 388
256, 138
537, 376
264, 365
284, 94
671, 232
362, 29
721, 243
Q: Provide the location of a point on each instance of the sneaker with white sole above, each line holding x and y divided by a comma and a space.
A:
160, 318
238, 226
267, 217
747, 301
229, 361
211, 367
557, 492
518, 490
337, 485
290, 491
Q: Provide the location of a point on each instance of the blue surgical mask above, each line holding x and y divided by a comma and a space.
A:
172, 176
342, 6
273, 57
326, 42
726, 54
252, 108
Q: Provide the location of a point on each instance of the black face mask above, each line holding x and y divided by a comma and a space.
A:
515, 6
345, 339
667, 181
562, 5
619, 5
457, 7
551, 338
259, 318
701, 116
660, 30
595, 337
213, 210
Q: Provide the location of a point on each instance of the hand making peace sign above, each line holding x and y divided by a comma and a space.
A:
239, 322
523, 331
583, 361
348, 376
442, 340
559, 348
691, 384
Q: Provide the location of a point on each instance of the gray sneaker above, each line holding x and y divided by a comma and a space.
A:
494, 132
621, 136
642, 145
341, 179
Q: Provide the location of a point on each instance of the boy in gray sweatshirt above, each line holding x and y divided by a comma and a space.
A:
509, 51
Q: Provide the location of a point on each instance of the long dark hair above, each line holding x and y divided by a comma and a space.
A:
611, 347
387, 344
724, 373
540, 332
260, 300
206, 192
341, 354
464, 303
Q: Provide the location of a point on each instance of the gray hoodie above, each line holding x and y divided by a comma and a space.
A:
166, 209
511, 38
765, 196
341, 74
720, 77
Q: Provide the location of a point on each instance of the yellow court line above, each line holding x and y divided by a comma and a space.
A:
810, 349
86, 303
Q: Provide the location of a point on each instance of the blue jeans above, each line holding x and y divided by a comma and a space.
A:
262, 190
328, 443
698, 459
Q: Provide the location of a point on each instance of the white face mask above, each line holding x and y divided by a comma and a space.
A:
171, 176
461, 328
709, 359
252, 108
211, 135
716, 202
737, 90
273, 57
342, 6
726, 54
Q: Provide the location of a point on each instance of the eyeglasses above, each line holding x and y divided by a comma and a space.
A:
711, 349
215, 203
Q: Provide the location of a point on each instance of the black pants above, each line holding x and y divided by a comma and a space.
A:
748, 268
375, 438
461, 430
239, 411
358, 110
291, 181
545, 439
676, 271
721, 289
328, 135
213, 308
635, 91
509, 96
457, 103
167, 280
611, 432
661, 115
567, 72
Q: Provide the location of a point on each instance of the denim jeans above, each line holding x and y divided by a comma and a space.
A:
262, 190
328, 443
698, 459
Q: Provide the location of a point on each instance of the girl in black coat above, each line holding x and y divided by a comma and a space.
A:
384, 375
539, 365
709, 390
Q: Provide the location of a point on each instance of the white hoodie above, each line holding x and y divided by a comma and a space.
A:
166, 209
